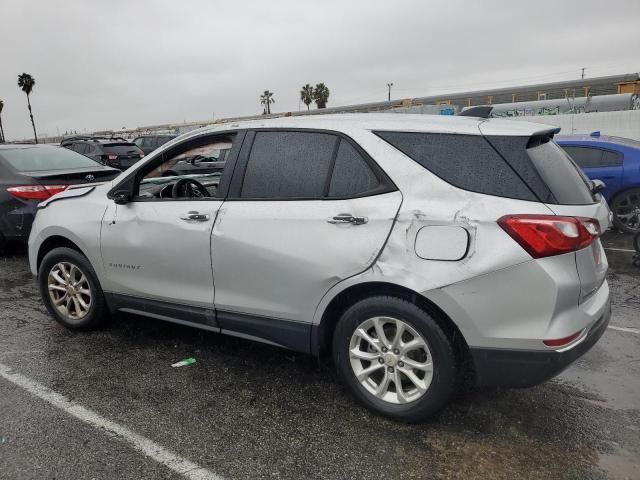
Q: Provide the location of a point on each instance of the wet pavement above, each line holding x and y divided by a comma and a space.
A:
247, 410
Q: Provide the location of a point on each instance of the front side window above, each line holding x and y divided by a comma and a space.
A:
196, 167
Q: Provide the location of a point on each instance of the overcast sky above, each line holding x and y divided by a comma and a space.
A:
109, 64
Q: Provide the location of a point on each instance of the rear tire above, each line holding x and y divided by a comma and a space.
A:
626, 211
370, 363
71, 291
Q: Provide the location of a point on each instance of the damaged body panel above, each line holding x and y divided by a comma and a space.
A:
370, 236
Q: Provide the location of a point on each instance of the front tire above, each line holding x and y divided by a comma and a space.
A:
71, 291
395, 358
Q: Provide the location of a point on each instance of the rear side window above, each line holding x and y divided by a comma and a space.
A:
587, 157
351, 174
465, 161
288, 165
121, 149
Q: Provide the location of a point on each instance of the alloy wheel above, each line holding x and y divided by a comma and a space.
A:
627, 211
391, 360
69, 291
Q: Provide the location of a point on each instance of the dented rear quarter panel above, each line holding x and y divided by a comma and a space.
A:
429, 200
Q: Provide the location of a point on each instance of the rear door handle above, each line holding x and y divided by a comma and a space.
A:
197, 216
348, 218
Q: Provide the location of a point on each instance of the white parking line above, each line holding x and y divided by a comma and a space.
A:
23, 352
620, 250
147, 447
625, 329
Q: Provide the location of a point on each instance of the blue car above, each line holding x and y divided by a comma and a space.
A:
615, 161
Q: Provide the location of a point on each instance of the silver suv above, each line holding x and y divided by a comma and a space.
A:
403, 247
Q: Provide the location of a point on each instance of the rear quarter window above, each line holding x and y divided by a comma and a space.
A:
465, 161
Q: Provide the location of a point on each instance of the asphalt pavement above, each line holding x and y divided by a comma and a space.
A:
107, 405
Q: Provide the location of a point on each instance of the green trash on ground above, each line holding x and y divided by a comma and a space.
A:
184, 363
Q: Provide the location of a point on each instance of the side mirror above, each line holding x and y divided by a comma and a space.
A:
597, 185
121, 197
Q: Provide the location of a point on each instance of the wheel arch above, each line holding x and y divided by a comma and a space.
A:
622, 190
323, 333
55, 241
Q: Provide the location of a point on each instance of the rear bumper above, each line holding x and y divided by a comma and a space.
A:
525, 368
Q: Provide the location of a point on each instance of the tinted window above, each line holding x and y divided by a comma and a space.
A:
122, 149
288, 165
351, 174
564, 178
32, 159
162, 140
593, 157
465, 161
147, 142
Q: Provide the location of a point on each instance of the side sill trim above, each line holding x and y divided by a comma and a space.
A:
274, 331
284, 333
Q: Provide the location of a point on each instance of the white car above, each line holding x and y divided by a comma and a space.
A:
404, 247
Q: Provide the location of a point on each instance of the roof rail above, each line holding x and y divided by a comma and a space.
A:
481, 111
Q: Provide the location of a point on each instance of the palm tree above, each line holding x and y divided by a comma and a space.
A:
267, 99
26, 82
1, 130
321, 95
306, 95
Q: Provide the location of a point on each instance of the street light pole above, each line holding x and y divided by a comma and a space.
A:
389, 85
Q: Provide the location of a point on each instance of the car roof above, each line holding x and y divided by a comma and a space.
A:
390, 121
14, 146
172, 135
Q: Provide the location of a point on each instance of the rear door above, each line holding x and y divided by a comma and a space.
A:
306, 210
599, 163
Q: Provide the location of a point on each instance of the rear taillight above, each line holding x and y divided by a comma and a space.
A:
36, 192
547, 235
112, 157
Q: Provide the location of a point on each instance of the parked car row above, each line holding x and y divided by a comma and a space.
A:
148, 143
30, 174
615, 161
110, 151
415, 252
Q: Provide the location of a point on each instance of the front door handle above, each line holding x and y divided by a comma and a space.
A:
348, 218
197, 216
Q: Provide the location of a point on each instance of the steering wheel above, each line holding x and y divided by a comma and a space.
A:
188, 187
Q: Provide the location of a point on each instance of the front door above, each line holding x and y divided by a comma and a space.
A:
157, 247
312, 210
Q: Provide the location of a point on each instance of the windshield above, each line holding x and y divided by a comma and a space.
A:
41, 158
